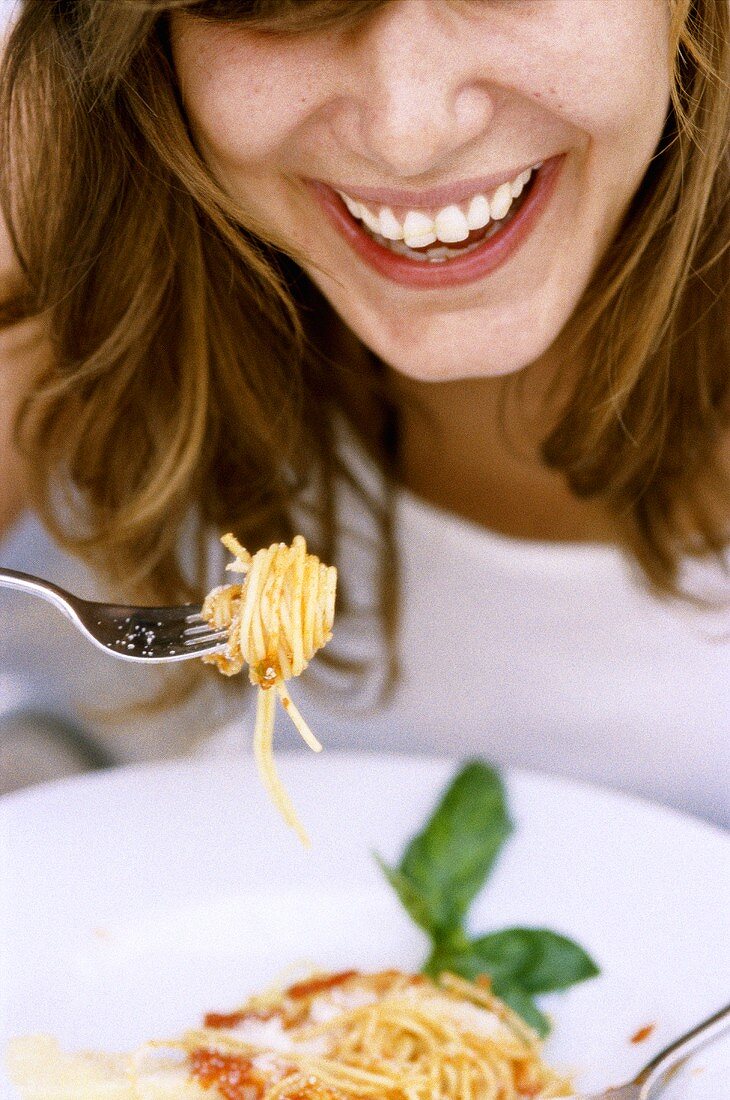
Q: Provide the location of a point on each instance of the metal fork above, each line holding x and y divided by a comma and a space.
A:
151, 634
660, 1069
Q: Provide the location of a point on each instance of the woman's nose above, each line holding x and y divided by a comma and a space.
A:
421, 96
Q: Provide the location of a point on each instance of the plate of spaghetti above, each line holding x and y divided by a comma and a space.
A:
158, 915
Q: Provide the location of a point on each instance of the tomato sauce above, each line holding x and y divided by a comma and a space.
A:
643, 1033
319, 985
232, 1019
232, 1075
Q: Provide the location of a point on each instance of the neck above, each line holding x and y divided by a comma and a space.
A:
472, 447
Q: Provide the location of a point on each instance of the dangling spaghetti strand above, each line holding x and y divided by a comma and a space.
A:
277, 618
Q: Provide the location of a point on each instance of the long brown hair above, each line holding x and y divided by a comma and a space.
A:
193, 373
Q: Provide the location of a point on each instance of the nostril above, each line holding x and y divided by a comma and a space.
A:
474, 110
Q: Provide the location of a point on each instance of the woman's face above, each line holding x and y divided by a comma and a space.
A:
429, 115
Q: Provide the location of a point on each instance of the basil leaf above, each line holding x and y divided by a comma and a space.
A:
523, 1004
520, 962
533, 959
468, 964
446, 864
412, 901
464, 962
441, 871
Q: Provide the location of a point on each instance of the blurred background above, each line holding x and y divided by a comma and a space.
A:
84, 711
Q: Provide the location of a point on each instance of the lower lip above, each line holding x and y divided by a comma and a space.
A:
475, 265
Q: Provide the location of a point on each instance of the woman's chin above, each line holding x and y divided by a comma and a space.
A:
418, 372
476, 338
451, 361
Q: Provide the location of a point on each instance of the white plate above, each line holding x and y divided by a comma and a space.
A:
135, 900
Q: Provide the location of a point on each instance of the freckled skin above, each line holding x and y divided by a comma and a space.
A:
423, 93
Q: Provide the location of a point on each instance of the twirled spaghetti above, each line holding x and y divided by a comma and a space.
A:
385, 1035
347, 1036
276, 618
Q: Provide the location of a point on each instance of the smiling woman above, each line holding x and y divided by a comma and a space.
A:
341, 252
419, 108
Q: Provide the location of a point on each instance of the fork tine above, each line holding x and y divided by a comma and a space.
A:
203, 650
202, 628
206, 641
624, 1092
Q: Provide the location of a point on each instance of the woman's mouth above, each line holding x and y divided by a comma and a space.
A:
448, 245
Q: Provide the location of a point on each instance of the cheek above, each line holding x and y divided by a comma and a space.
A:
598, 66
243, 95
602, 66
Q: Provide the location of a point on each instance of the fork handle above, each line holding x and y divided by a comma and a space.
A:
680, 1049
23, 582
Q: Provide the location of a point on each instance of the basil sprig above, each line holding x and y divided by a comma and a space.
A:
440, 873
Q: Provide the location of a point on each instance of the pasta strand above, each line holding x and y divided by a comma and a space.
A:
419, 1040
277, 618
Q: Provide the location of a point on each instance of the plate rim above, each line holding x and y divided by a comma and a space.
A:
25, 797
24, 805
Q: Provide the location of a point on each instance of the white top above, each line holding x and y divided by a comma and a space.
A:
554, 657
548, 656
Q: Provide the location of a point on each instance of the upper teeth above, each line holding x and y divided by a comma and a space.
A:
449, 225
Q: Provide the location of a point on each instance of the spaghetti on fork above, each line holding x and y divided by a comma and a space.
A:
277, 618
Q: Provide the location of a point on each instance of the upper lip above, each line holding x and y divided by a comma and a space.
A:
436, 196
